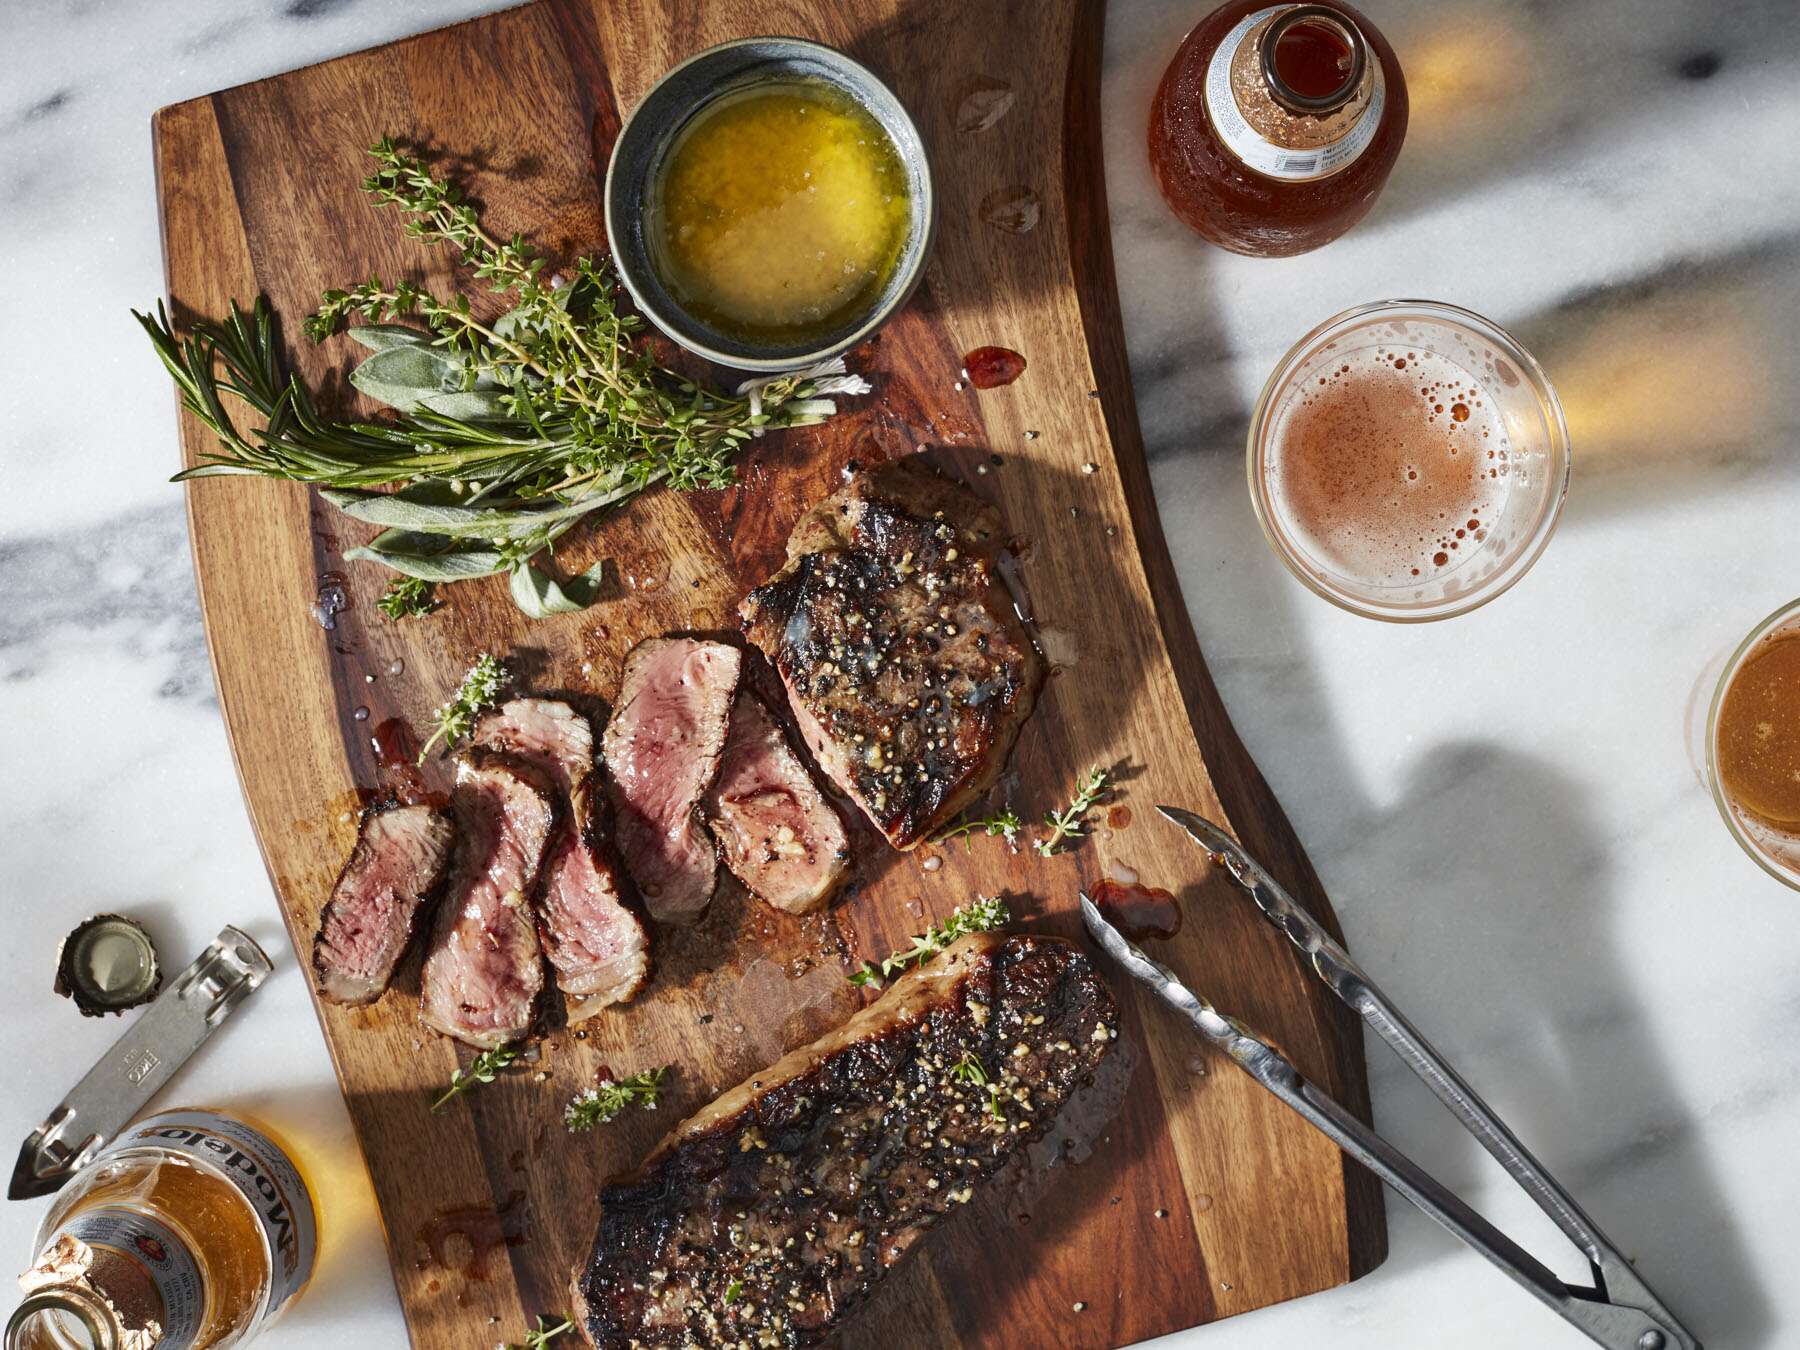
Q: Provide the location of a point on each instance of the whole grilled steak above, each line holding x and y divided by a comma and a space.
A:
662, 750
909, 669
769, 1217
484, 972
779, 835
596, 942
366, 926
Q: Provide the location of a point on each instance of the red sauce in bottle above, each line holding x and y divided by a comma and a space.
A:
1139, 912
1301, 133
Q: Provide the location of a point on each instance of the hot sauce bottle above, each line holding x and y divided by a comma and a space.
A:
1275, 126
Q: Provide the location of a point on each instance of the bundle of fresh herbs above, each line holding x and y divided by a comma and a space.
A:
504, 434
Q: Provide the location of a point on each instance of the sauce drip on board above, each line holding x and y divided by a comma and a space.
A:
991, 367
780, 212
1139, 912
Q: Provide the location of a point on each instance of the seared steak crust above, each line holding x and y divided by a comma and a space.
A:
594, 938
365, 928
662, 747
485, 971
907, 664
777, 832
768, 1218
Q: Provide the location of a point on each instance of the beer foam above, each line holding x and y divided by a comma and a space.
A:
1388, 464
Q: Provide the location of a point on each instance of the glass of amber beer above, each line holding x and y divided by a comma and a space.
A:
1408, 460
1753, 745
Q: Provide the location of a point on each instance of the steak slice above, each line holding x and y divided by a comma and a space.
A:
907, 664
662, 750
485, 971
368, 923
595, 940
769, 1217
778, 834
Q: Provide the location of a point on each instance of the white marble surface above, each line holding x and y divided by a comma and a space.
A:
1505, 806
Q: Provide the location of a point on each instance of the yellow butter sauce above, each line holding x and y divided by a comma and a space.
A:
780, 212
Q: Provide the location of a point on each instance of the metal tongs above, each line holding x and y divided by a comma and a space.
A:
1620, 1311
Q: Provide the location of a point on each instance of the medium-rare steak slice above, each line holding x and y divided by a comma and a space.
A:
779, 835
484, 972
769, 1217
907, 664
596, 942
367, 925
662, 750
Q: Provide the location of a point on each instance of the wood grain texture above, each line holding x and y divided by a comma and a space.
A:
488, 1206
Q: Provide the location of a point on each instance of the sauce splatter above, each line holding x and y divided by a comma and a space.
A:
991, 367
1138, 911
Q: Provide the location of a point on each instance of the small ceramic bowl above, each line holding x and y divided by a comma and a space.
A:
651, 129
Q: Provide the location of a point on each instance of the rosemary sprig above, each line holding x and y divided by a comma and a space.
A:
968, 1069
1005, 824
540, 1338
606, 1099
506, 431
455, 717
484, 1068
1068, 824
985, 914
407, 598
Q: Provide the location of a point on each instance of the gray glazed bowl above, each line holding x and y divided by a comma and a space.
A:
651, 129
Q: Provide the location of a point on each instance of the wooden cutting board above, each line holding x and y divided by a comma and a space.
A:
1204, 1198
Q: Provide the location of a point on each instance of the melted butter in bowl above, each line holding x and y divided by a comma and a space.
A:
769, 204
780, 212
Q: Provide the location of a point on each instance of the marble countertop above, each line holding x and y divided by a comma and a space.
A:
1505, 807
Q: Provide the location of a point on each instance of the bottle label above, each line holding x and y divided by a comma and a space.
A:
262, 1173
1257, 152
164, 1259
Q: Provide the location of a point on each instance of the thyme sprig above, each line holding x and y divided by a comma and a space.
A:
505, 431
455, 717
606, 1099
407, 598
540, 1337
484, 1068
968, 1069
1068, 824
1004, 824
984, 915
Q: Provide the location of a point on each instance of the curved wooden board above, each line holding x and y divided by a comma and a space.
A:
1204, 1198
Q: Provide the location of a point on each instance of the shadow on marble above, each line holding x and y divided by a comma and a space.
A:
1503, 937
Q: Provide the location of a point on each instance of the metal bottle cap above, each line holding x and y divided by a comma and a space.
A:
107, 965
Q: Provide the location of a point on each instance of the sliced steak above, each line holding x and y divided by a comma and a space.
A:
485, 971
769, 1217
778, 834
907, 664
367, 925
595, 940
662, 750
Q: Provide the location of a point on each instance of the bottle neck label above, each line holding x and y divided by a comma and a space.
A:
171, 1277
1295, 164
265, 1177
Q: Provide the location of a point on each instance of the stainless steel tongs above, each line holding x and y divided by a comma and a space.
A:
1619, 1312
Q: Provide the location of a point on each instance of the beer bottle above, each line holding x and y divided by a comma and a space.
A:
192, 1230
1275, 126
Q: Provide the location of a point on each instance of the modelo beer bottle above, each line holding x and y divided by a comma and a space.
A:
191, 1230
1275, 126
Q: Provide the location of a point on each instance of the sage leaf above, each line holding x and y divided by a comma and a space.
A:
402, 377
381, 337
468, 405
539, 596
403, 511
427, 557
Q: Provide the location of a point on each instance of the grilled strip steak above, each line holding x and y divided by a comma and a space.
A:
485, 971
595, 940
769, 1217
662, 748
907, 664
367, 925
778, 834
